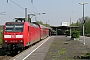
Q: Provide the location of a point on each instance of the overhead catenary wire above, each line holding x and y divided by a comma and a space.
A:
30, 4
33, 6
34, 9
24, 8
5, 11
11, 7
14, 8
17, 4
10, 16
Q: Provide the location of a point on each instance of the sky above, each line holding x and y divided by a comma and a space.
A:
56, 11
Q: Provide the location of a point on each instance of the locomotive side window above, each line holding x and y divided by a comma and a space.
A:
14, 27
28, 28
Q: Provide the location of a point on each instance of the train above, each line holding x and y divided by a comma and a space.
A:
20, 35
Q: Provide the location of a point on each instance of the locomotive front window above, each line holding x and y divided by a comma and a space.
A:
18, 28
9, 28
14, 27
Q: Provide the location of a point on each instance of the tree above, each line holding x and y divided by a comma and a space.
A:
29, 19
40, 22
47, 25
86, 25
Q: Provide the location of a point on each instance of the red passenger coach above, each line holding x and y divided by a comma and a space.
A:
44, 31
18, 35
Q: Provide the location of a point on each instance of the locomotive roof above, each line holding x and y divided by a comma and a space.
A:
32, 24
41, 26
14, 22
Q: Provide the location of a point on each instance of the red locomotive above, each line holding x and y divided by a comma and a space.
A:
18, 35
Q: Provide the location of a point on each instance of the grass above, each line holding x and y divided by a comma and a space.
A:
0, 37
62, 51
85, 56
65, 49
59, 51
67, 58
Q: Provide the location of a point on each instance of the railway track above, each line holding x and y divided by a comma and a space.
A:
3, 55
6, 56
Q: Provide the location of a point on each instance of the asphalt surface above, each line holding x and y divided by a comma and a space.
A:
40, 53
87, 41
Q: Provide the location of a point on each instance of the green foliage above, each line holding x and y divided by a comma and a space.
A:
86, 25
0, 38
75, 34
1, 33
88, 35
84, 57
73, 24
40, 22
60, 32
67, 32
29, 19
47, 25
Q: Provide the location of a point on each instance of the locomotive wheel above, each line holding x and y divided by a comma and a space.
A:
26, 47
21, 49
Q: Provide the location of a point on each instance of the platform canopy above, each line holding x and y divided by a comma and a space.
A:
64, 27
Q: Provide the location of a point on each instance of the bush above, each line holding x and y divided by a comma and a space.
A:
75, 34
67, 32
88, 35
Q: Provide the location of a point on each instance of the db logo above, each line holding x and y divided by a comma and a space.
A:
13, 36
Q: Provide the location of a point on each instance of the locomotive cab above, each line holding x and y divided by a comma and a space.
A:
13, 35
20, 34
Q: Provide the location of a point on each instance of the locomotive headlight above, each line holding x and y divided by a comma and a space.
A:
6, 40
20, 40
